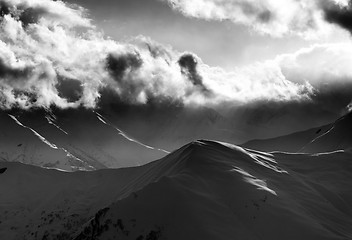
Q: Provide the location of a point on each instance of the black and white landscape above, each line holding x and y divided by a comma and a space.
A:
175, 119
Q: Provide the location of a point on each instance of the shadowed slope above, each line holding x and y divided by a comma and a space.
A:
331, 137
77, 139
204, 190
215, 190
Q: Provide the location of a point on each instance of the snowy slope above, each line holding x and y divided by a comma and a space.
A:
221, 191
37, 202
338, 137
330, 137
204, 190
70, 140
21, 143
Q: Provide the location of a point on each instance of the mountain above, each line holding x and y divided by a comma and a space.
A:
23, 144
204, 190
76, 139
327, 138
169, 125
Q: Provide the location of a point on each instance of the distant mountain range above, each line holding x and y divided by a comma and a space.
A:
87, 139
69, 140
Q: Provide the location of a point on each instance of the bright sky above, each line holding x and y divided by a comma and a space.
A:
219, 43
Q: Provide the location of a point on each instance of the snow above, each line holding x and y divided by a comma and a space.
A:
53, 146
52, 122
35, 133
204, 190
105, 121
329, 138
69, 140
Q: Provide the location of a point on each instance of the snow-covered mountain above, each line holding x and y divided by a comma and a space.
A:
327, 138
69, 140
204, 190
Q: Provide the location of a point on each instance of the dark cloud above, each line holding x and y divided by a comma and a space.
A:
26, 15
262, 14
14, 73
4, 9
265, 16
336, 14
156, 51
31, 15
30, 96
70, 89
188, 63
121, 68
119, 65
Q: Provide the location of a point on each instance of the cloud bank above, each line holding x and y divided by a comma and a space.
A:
51, 54
276, 18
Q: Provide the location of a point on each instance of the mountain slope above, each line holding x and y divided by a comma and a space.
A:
327, 138
69, 140
39, 203
225, 192
339, 137
204, 190
23, 144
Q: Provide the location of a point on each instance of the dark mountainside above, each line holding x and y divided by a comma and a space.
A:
204, 190
327, 138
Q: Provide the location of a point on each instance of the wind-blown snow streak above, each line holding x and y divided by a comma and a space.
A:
254, 181
107, 122
315, 139
51, 121
35, 133
51, 145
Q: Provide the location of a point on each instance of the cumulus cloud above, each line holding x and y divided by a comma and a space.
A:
51, 54
272, 17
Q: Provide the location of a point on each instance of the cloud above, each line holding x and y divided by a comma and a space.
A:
13, 72
189, 67
4, 9
51, 54
69, 89
339, 14
120, 65
308, 19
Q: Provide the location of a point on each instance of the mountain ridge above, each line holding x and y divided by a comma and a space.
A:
206, 189
330, 137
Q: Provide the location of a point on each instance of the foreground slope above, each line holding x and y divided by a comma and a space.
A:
204, 190
327, 138
221, 191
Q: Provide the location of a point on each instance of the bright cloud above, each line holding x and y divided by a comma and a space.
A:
51, 57
272, 17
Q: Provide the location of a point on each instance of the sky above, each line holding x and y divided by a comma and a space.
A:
218, 42
293, 56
